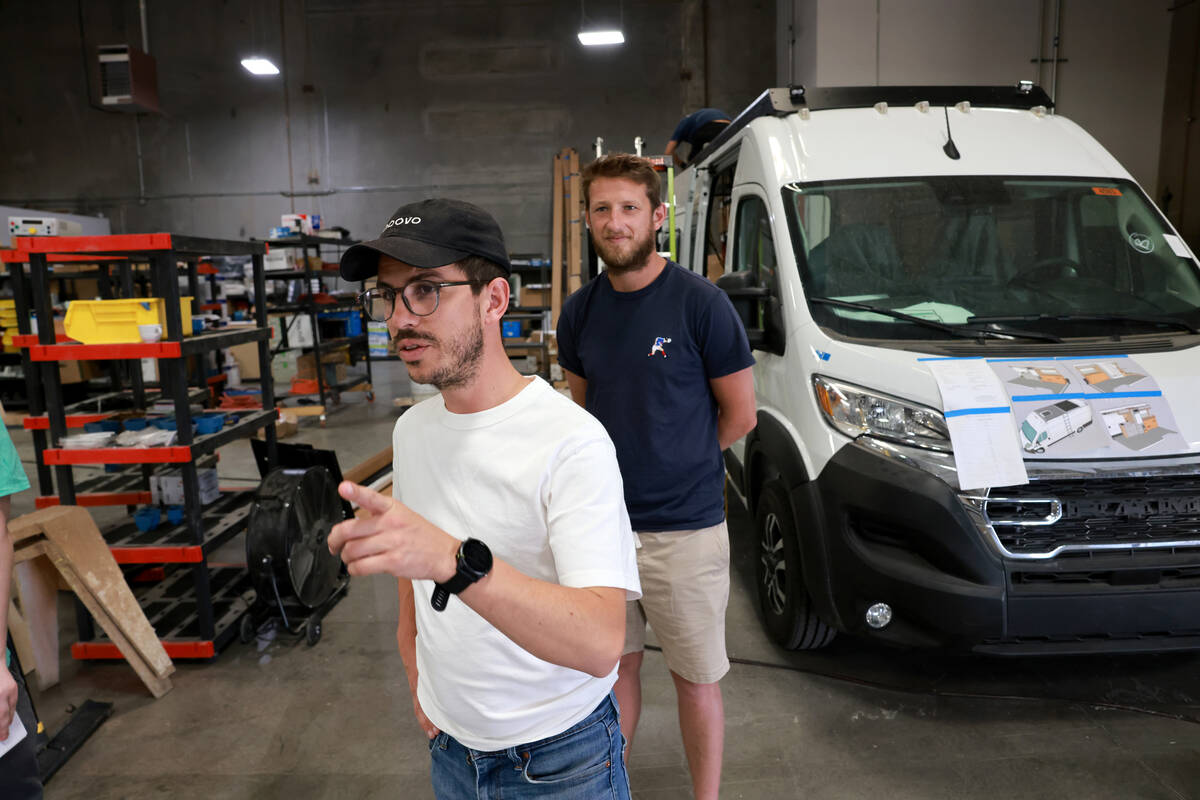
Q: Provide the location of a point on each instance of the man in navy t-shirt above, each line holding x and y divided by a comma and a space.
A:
658, 355
697, 129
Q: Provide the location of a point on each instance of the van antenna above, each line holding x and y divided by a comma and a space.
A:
948, 148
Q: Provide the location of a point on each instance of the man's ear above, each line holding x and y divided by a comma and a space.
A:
497, 295
660, 215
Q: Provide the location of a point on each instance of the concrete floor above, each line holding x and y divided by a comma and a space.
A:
277, 719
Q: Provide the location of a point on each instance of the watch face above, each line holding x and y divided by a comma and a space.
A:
477, 557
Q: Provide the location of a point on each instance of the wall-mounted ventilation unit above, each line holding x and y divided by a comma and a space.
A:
128, 79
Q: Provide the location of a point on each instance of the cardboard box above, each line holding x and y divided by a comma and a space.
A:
287, 425
307, 363
534, 297
79, 371
166, 488
246, 356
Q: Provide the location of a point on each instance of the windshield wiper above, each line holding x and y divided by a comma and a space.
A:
1131, 318
963, 332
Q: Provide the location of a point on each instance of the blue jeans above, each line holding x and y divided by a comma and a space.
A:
583, 762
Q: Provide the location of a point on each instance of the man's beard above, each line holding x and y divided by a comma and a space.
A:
617, 264
464, 354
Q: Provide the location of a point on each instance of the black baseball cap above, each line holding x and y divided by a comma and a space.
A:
430, 233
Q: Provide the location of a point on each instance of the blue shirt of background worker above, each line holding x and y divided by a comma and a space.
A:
697, 129
648, 357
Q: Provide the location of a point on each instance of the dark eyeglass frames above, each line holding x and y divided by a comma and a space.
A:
420, 298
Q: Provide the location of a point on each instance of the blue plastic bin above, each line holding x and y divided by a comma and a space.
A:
147, 518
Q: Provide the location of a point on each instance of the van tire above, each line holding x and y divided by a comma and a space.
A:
783, 598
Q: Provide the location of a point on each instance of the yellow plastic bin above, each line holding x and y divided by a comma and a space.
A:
116, 321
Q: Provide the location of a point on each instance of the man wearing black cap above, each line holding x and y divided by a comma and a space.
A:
509, 496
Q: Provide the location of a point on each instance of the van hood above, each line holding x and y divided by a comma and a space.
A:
1136, 406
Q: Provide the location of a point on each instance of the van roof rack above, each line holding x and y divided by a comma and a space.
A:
780, 102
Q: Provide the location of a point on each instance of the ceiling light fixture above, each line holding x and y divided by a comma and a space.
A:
591, 35
260, 66
593, 38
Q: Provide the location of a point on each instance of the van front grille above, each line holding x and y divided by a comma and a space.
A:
1136, 512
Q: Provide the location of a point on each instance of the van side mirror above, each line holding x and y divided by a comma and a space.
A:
760, 312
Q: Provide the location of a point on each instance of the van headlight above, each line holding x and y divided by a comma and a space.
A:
856, 411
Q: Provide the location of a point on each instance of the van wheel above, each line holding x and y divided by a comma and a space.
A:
786, 607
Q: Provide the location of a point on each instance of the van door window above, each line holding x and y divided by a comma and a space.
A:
754, 242
717, 226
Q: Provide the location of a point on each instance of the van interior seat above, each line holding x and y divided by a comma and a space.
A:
855, 259
968, 246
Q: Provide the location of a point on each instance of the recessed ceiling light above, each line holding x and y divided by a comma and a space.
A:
260, 66
593, 38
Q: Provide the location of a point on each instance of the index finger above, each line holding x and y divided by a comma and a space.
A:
366, 498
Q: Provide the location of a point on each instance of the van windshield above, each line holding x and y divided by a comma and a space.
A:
1067, 256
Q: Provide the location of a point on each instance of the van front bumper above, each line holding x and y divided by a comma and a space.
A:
887, 531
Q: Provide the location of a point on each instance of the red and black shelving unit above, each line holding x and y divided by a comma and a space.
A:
194, 606
312, 303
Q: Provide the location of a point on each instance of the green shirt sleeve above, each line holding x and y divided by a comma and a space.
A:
12, 474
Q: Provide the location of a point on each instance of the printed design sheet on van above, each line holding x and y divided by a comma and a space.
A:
1097, 407
980, 421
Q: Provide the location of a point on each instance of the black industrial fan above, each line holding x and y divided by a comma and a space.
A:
286, 551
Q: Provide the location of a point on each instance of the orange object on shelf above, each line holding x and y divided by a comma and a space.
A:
305, 386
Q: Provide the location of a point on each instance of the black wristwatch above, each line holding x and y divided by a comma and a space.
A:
473, 561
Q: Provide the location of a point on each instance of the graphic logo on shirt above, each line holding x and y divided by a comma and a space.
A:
658, 346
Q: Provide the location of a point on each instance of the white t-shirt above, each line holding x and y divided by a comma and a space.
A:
536, 480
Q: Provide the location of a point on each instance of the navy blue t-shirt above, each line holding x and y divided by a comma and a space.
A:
694, 122
648, 357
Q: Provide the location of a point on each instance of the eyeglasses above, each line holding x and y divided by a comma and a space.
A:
420, 298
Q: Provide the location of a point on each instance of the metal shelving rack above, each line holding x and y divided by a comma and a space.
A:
523, 265
195, 618
313, 309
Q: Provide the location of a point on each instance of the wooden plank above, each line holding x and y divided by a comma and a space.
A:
360, 472
152, 674
575, 228
68, 537
19, 630
304, 411
556, 252
83, 550
37, 590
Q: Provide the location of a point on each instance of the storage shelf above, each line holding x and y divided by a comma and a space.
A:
339, 342
106, 489
308, 240
192, 345
298, 275
221, 519
170, 606
72, 420
128, 243
312, 305
123, 400
174, 454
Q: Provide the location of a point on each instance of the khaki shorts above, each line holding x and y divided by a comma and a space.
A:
685, 591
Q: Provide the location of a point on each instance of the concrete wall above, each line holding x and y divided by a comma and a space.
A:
381, 101
1111, 80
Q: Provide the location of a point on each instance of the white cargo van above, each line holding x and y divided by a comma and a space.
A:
1053, 422
863, 234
